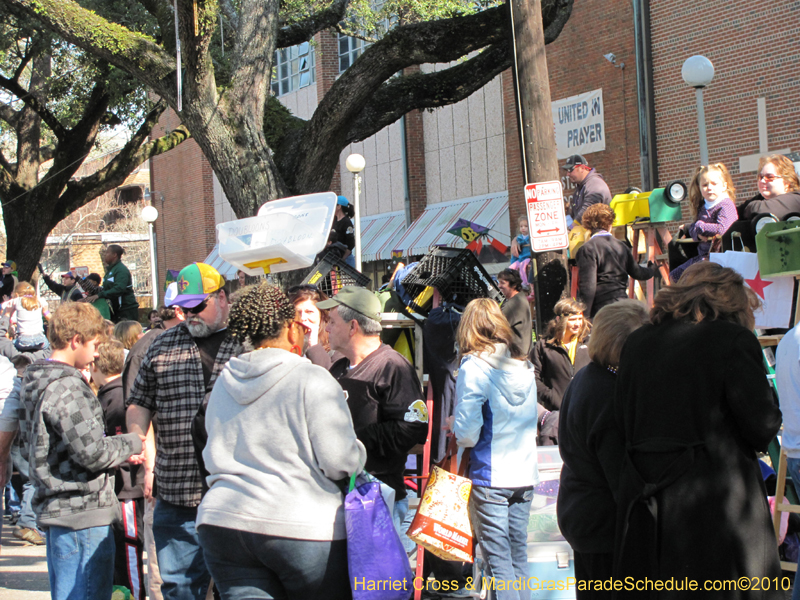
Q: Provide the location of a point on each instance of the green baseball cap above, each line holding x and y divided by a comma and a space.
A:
359, 299
195, 283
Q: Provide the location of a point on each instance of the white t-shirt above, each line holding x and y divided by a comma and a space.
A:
29, 322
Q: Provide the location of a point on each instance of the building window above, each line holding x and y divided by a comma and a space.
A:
350, 49
294, 69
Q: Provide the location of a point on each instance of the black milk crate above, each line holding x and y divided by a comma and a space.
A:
331, 274
455, 272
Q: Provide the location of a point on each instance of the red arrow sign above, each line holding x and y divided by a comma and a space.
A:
540, 231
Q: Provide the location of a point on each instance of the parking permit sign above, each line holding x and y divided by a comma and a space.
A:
547, 222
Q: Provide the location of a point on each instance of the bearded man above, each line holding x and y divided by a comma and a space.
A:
177, 372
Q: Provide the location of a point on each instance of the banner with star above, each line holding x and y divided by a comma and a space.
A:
774, 292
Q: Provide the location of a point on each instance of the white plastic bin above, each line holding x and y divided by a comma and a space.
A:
287, 234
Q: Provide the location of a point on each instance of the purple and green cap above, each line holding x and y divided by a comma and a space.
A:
195, 283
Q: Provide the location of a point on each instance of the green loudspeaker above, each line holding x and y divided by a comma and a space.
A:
778, 248
659, 205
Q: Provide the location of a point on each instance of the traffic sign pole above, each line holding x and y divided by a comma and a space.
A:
547, 226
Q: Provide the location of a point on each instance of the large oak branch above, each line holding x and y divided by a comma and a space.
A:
134, 153
419, 90
130, 51
304, 30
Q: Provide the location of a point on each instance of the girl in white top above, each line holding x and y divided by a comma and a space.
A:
29, 311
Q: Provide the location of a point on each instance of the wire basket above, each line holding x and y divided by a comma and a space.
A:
331, 274
455, 272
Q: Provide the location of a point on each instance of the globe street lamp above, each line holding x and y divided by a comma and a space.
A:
149, 216
698, 72
355, 163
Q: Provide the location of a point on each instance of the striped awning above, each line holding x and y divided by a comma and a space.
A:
430, 229
227, 270
379, 234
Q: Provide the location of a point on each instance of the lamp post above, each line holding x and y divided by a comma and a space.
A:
149, 216
698, 72
355, 163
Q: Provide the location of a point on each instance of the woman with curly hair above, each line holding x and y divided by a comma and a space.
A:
279, 436
605, 263
562, 353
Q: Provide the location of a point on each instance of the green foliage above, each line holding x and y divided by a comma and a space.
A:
278, 121
371, 19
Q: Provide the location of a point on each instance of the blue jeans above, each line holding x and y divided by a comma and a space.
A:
402, 521
793, 469
27, 518
252, 566
500, 521
80, 563
180, 557
13, 503
25, 343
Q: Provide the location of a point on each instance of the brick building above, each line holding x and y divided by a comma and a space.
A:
431, 167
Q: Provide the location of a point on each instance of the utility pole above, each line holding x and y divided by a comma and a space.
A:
537, 141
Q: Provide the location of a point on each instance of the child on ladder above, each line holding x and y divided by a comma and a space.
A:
711, 200
521, 250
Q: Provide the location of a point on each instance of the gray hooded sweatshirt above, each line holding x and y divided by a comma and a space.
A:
279, 435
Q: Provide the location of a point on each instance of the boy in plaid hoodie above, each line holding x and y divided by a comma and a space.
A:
63, 435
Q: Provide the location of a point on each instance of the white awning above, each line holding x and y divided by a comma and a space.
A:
430, 229
379, 234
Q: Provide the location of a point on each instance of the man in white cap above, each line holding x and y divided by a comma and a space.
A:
177, 372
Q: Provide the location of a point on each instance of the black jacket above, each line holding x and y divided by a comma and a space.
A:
694, 406
389, 414
554, 371
604, 265
780, 206
592, 449
129, 480
67, 292
517, 312
592, 190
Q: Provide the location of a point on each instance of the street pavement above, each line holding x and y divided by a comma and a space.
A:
23, 569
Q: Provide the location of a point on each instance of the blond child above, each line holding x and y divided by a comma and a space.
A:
711, 201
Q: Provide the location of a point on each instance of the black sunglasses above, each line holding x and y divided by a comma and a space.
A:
196, 310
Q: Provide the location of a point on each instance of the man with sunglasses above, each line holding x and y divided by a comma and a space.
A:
175, 376
592, 188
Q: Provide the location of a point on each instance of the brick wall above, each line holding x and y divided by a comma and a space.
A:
415, 155
185, 229
515, 172
327, 71
753, 46
576, 65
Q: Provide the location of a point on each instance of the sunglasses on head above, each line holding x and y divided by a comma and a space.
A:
305, 287
195, 310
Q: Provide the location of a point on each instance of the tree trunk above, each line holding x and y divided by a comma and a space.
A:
26, 232
538, 144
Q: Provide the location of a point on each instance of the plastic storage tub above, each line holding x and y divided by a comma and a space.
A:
286, 234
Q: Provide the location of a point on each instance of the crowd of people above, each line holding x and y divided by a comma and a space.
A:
214, 445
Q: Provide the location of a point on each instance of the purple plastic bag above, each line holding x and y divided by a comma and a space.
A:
377, 561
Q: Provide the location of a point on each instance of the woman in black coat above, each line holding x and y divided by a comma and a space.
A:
604, 262
694, 407
592, 448
561, 354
